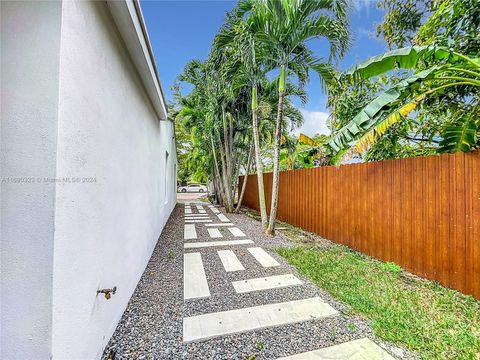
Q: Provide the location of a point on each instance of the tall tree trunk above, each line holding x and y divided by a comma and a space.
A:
238, 164
276, 153
220, 192
234, 163
258, 160
225, 158
244, 185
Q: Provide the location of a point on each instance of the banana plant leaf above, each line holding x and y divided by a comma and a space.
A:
404, 58
377, 110
304, 139
462, 136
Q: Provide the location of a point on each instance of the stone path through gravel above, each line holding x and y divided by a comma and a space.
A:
215, 290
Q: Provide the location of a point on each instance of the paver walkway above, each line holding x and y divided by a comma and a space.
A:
240, 300
217, 324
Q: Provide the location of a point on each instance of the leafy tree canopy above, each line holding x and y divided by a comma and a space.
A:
445, 35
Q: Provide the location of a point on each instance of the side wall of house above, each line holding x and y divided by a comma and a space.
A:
120, 189
30, 45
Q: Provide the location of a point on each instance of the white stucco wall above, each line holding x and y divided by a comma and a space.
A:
30, 39
105, 231
61, 242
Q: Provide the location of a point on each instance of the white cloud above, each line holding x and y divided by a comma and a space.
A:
360, 5
363, 32
370, 34
315, 123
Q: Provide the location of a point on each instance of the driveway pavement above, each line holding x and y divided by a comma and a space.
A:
185, 197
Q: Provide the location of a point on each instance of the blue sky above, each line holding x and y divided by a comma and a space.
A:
183, 30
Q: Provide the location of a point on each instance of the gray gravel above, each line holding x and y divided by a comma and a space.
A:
151, 327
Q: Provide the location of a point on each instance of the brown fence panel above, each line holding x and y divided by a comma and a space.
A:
421, 213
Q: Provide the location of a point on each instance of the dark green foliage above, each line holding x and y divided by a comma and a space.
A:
402, 20
462, 135
435, 28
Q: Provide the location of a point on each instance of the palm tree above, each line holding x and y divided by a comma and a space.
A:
246, 70
212, 112
283, 28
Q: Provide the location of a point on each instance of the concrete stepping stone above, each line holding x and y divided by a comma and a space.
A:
361, 349
236, 231
197, 216
195, 283
216, 211
266, 283
188, 211
201, 244
202, 327
263, 257
214, 233
230, 261
189, 232
197, 220
222, 218
200, 209
220, 224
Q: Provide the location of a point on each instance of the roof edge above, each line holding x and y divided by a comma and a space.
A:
128, 17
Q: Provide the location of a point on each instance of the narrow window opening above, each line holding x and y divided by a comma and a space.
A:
166, 177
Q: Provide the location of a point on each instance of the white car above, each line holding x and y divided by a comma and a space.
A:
192, 188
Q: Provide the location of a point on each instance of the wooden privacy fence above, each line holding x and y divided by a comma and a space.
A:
421, 213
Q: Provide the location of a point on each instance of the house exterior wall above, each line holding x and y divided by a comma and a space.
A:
97, 224
29, 97
108, 132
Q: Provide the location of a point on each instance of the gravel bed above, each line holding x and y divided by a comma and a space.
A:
151, 327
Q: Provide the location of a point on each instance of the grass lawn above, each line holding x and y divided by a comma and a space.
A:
434, 322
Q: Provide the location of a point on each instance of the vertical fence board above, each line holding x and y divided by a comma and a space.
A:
352, 184
387, 203
430, 228
288, 187
346, 208
323, 181
407, 214
418, 226
397, 202
304, 216
370, 210
473, 234
445, 221
315, 205
460, 223
338, 191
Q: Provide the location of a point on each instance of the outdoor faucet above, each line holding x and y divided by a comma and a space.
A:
108, 292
